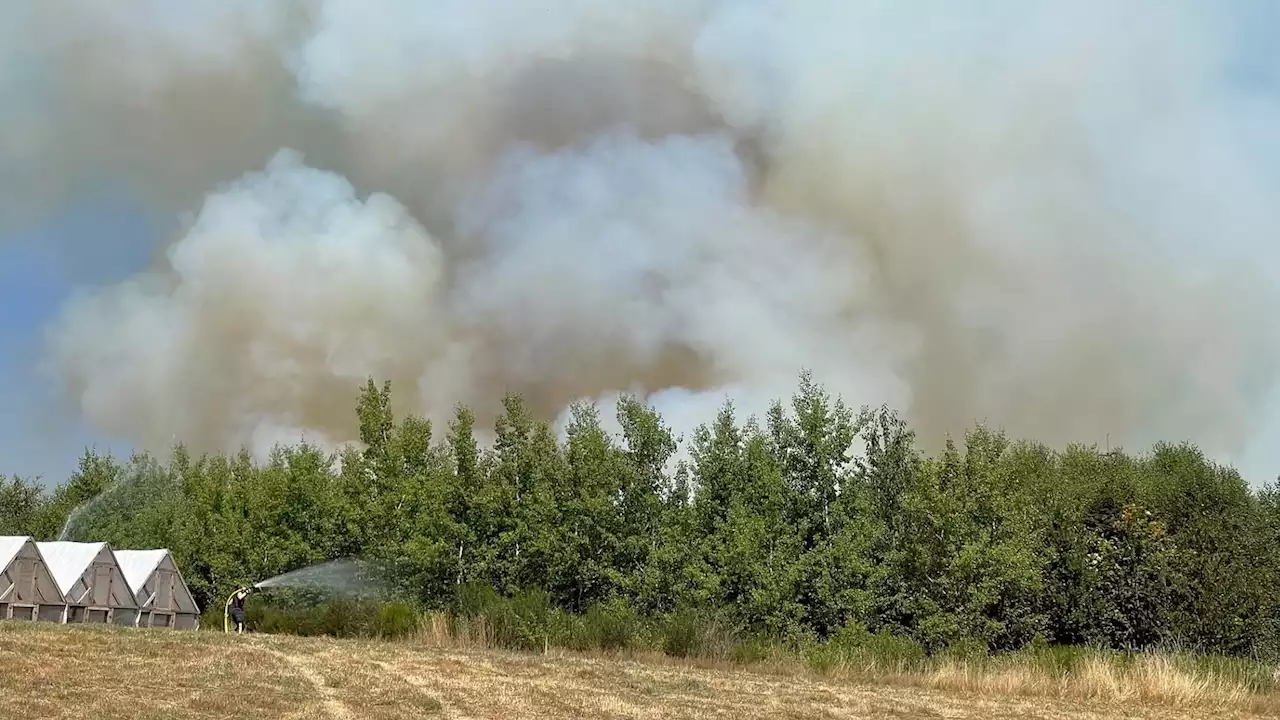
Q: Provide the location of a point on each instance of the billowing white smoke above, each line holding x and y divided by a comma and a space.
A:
1031, 213
286, 293
617, 264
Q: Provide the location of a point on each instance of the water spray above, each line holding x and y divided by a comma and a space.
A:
345, 577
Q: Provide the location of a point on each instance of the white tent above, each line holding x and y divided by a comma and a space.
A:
91, 582
27, 588
162, 595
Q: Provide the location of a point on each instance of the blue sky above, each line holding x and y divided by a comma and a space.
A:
37, 274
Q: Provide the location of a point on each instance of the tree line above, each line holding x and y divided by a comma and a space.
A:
796, 526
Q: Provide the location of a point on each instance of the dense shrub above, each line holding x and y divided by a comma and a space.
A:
854, 646
334, 618
692, 632
474, 599
518, 623
613, 625
395, 620
683, 634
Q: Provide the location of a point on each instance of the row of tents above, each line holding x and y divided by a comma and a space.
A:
72, 582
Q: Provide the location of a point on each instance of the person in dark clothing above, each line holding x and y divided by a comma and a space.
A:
237, 609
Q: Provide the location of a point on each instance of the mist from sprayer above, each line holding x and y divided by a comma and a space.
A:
345, 577
71, 527
135, 482
1044, 215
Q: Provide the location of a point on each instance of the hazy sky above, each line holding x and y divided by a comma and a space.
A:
38, 271
97, 237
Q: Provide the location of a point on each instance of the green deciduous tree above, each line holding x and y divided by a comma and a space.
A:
811, 522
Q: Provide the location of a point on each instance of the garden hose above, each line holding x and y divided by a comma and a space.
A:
226, 608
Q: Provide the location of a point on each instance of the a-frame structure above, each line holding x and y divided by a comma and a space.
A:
28, 590
162, 595
91, 582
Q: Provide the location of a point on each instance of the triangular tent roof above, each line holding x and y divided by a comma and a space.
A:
68, 560
9, 547
137, 566
26, 583
73, 566
147, 571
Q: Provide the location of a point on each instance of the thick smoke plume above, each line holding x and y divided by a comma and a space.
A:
1037, 214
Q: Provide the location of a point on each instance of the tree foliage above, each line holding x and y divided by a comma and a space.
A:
810, 522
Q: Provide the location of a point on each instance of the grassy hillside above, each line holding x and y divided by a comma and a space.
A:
58, 672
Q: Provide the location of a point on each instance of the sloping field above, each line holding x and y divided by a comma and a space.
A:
50, 671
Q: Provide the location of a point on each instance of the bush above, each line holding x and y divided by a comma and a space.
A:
345, 618
395, 620
568, 631
698, 633
475, 599
967, 650
753, 650
212, 619
894, 652
284, 621
682, 636
823, 657
854, 645
612, 625
1058, 661
336, 618
522, 622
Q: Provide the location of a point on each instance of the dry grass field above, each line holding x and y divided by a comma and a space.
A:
50, 671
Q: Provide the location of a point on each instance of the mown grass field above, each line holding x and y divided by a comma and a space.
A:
49, 671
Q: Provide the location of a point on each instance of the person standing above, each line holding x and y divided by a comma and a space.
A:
237, 609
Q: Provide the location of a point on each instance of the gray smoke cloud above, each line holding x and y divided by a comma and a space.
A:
1043, 215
